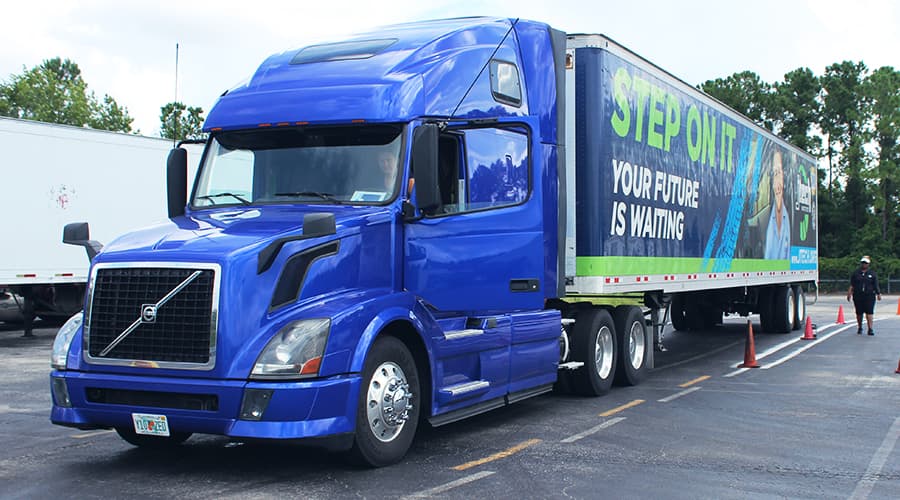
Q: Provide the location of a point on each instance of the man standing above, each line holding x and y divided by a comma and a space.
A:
864, 290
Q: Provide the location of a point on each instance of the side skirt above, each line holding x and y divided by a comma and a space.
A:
462, 413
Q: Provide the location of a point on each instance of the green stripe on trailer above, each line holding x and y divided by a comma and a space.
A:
626, 266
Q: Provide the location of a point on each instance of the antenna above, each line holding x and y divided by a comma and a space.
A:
175, 102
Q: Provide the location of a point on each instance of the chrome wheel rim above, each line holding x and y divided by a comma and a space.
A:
636, 345
790, 309
603, 352
388, 402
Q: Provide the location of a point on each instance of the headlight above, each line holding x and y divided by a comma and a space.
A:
63, 340
295, 351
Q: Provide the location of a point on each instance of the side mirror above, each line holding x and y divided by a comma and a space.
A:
79, 234
176, 181
425, 166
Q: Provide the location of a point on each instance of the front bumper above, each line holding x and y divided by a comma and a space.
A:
296, 410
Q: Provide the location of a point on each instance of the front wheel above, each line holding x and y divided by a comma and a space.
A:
389, 403
152, 442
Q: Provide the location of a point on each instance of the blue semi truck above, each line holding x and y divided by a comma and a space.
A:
427, 222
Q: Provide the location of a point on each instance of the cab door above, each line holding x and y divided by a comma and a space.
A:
482, 248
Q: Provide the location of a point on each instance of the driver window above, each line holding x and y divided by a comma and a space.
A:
482, 168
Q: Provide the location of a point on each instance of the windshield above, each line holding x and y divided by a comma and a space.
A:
353, 165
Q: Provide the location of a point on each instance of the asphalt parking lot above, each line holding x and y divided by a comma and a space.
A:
818, 419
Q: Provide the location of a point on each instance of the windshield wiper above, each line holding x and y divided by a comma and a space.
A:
325, 196
217, 195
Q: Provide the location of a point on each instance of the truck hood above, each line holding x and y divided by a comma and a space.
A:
214, 235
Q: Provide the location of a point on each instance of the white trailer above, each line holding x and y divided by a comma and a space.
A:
54, 175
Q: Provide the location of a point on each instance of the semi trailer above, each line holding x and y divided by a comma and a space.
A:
426, 222
58, 174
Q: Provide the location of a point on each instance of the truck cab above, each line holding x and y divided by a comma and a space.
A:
370, 241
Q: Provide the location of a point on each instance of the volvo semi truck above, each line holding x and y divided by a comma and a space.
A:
426, 222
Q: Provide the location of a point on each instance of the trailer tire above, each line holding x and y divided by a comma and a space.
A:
677, 313
712, 316
799, 307
387, 412
594, 344
634, 350
152, 442
764, 304
783, 309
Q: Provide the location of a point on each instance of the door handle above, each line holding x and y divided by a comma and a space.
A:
524, 285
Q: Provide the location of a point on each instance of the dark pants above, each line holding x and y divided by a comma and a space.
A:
865, 304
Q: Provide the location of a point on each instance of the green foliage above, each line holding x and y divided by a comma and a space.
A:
55, 92
796, 104
834, 273
746, 93
850, 119
180, 122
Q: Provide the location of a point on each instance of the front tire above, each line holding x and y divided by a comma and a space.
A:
594, 344
634, 350
387, 413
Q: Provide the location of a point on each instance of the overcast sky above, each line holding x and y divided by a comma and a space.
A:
127, 49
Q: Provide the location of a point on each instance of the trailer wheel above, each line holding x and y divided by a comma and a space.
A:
633, 346
152, 442
799, 307
594, 344
712, 316
783, 309
764, 304
676, 311
388, 410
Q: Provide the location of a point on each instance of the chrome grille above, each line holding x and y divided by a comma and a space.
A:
180, 330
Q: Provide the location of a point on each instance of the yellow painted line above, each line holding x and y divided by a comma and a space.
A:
622, 408
92, 434
695, 381
497, 456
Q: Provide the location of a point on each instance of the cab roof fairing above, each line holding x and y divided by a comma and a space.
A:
416, 76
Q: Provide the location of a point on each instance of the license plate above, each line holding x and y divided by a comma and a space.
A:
150, 425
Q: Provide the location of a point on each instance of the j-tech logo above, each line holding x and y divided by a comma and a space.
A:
61, 196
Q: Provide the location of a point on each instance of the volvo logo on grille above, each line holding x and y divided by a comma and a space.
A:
148, 313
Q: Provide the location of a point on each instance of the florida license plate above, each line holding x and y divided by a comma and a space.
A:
150, 425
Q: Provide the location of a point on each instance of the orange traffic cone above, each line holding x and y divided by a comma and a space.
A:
898, 367
898, 307
749, 350
809, 333
840, 320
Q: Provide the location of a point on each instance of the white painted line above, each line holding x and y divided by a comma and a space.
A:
679, 394
11, 409
773, 350
736, 372
449, 486
810, 345
592, 430
92, 434
865, 485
